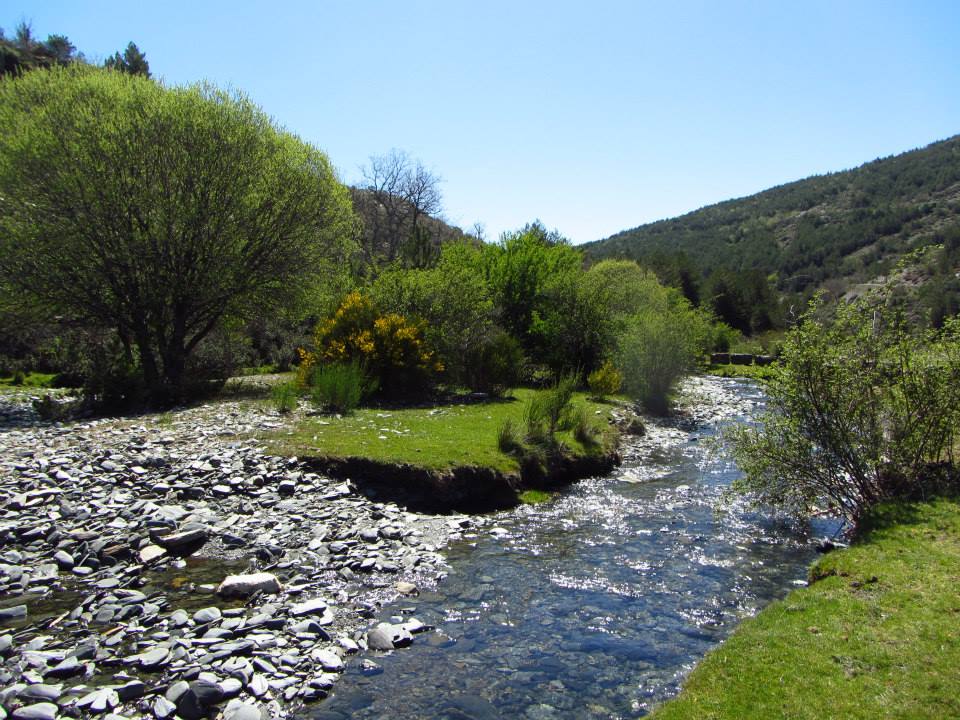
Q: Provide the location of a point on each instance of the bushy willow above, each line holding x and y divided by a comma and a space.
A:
160, 212
863, 409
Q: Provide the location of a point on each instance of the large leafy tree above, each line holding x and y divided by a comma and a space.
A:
160, 212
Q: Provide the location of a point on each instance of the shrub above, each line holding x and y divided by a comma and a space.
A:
548, 409
605, 380
284, 397
657, 349
861, 410
509, 437
339, 387
390, 349
498, 365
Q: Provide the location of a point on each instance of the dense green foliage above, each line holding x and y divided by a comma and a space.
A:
836, 231
863, 408
165, 215
875, 635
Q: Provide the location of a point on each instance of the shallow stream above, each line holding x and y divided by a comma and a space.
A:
597, 603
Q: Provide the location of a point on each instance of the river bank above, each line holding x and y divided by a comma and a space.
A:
115, 534
876, 634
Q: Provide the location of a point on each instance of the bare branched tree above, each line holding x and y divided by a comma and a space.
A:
395, 197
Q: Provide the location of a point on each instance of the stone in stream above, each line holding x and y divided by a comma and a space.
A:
69, 667
64, 559
152, 659
246, 585
182, 544
17, 612
196, 702
328, 660
387, 637
163, 708
240, 710
258, 686
150, 553
99, 700
207, 615
131, 690
407, 588
37, 711
317, 606
40, 691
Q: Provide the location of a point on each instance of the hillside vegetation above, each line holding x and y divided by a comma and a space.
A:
844, 232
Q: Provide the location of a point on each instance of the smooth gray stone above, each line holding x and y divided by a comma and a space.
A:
100, 700
37, 711
182, 544
163, 708
239, 710
246, 585
42, 691
17, 612
131, 691
207, 615
317, 606
153, 658
67, 668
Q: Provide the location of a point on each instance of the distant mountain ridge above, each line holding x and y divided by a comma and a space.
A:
840, 230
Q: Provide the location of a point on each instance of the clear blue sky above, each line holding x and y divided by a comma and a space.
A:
592, 116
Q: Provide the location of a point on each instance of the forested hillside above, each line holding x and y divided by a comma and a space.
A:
842, 231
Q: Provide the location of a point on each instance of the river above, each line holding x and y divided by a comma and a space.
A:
597, 603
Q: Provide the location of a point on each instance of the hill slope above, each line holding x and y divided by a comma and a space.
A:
841, 230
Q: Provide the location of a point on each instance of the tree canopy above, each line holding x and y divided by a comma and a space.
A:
159, 212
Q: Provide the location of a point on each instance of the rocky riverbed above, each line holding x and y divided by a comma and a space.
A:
117, 538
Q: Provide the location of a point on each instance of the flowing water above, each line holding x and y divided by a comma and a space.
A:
597, 603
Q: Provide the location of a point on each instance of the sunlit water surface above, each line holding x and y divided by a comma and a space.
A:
596, 604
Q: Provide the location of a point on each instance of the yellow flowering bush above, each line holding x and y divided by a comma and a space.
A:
390, 348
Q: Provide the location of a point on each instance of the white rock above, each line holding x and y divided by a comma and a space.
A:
246, 585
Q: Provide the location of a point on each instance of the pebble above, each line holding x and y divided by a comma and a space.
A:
99, 508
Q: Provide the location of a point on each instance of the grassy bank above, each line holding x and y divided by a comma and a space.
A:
436, 438
876, 634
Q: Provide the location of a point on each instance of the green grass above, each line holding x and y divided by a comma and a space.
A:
31, 379
877, 635
436, 438
533, 497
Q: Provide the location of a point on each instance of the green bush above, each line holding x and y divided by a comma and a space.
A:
509, 437
391, 349
861, 409
284, 397
548, 410
658, 348
499, 364
339, 387
605, 380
